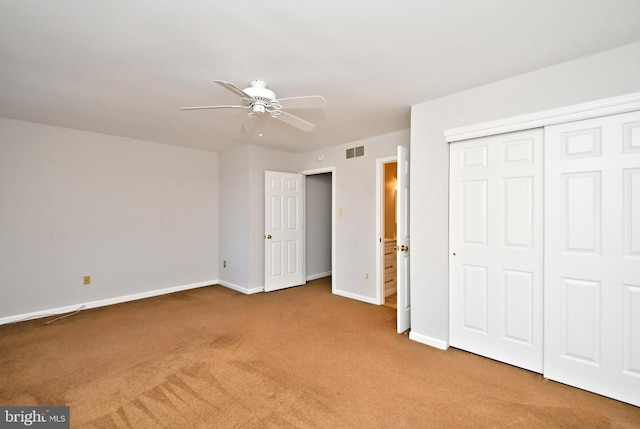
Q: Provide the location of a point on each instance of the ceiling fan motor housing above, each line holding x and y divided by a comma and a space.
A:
259, 92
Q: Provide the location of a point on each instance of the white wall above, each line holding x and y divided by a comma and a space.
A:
355, 211
134, 215
242, 213
318, 225
608, 74
234, 218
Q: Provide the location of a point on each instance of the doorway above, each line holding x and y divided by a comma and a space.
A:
319, 224
390, 270
387, 231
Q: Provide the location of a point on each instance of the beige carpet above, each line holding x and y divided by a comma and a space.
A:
297, 358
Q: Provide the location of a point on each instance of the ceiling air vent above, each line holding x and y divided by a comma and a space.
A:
354, 152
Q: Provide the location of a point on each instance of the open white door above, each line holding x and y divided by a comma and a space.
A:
402, 219
283, 230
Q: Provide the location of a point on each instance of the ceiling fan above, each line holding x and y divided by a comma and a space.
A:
261, 100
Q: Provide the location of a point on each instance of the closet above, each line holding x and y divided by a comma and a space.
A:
545, 248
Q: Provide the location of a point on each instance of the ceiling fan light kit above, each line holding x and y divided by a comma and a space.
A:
261, 100
258, 109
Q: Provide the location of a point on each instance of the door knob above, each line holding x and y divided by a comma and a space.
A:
404, 248
268, 237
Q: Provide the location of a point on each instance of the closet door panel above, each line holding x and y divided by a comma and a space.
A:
496, 247
591, 255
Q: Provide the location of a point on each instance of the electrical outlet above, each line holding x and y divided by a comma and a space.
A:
224, 264
86, 280
366, 276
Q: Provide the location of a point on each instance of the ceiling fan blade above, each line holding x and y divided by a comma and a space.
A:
231, 87
292, 120
214, 107
311, 101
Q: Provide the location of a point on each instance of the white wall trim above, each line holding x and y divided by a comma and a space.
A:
103, 302
321, 170
241, 289
357, 297
318, 276
578, 112
424, 339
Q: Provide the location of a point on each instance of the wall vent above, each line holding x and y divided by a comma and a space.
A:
354, 152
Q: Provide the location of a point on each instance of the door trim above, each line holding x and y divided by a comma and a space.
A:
577, 112
331, 170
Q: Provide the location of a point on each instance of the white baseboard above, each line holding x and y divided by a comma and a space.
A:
102, 302
241, 289
357, 297
318, 276
430, 341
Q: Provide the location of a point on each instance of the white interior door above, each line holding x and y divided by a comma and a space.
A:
403, 241
496, 254
283, 230
592, 255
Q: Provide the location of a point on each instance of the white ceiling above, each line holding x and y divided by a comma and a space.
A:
124, 67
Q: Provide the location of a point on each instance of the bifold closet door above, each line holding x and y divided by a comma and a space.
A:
495, 262
592, 255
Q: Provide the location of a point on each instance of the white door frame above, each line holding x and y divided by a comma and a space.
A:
380, 187
331, 170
